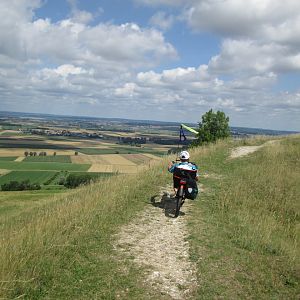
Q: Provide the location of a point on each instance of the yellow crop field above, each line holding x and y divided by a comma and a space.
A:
101, 168
20, 158
117, 159
127, 169
63, 143
152, 156
4, 171
138, 159
88, 159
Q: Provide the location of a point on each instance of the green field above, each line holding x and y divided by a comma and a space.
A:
57, 158
120, 150
94, 174
45, 166
8, 158
40, 177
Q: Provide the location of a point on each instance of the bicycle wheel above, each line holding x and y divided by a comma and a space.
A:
179, 199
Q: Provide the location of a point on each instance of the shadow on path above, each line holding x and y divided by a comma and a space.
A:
167, 203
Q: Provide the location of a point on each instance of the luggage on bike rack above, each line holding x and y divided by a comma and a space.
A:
191, 190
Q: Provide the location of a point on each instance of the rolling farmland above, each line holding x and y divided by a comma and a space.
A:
69, 145
40, 177
56, 158
9, 165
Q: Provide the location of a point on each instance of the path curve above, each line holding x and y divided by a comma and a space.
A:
245, 150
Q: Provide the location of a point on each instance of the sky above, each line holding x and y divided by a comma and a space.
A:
167, 60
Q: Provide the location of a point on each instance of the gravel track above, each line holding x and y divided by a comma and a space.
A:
157, 244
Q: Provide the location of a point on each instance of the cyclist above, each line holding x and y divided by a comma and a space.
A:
184, 166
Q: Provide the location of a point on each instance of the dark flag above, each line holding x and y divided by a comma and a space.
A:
182, 136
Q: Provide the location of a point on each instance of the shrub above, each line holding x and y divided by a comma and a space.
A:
20, 186
75, 180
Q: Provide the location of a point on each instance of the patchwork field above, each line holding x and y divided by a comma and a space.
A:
115, 163
88, 159
20, 151
8, 158
56, 158
98, 157
126, 169
40, 177
19, 159
41, 166
4, 171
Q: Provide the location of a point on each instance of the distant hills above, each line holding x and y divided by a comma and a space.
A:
173, 126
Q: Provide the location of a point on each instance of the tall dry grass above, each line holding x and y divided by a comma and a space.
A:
261, 199
33, 249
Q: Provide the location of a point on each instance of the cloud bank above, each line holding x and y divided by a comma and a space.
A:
74, 67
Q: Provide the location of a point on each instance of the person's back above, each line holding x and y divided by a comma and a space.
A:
183, 169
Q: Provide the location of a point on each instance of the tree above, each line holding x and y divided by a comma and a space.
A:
214, 126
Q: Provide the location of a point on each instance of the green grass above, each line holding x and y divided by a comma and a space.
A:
21, 203
40, 177
66, 247
8, 158
56, 158
43, 166
244, 234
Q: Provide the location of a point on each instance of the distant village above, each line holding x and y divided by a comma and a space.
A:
137, 140
88, 135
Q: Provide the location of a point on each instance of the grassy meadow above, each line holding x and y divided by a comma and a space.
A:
243, 231
246, 240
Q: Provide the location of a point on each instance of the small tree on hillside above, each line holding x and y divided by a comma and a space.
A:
214, 126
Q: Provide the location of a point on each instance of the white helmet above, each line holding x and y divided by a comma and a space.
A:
184, 155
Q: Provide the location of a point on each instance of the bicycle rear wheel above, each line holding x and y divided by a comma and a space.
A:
179, 199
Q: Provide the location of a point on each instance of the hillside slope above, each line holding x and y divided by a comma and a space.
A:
241, 233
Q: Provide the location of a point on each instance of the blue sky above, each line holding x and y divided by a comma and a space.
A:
167, 60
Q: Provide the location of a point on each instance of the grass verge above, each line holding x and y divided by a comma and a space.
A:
64, 249
245, 228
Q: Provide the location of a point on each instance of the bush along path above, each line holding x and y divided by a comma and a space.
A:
158, 246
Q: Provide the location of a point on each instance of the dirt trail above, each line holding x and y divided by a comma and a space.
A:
245, 150
157, 244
